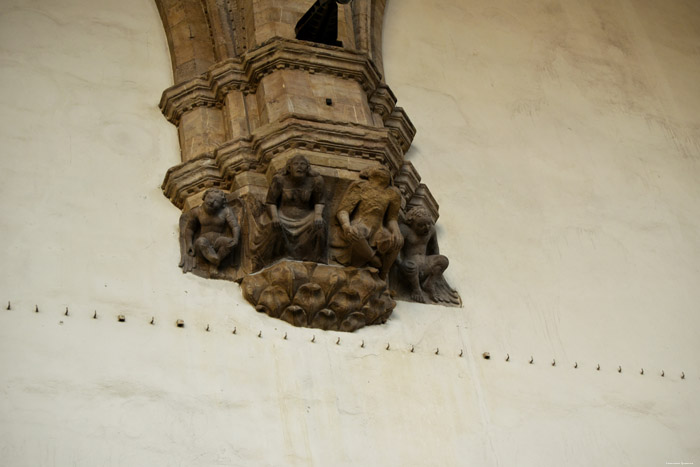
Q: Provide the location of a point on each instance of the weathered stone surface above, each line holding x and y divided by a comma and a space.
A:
293, 225
335, 146
418, 274
368, 215
208, 235
320, 296
307, 145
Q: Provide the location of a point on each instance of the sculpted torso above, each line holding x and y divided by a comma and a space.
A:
205, 230
295, 198
212, 223
295, 203
416, 244
372, 207
368, 217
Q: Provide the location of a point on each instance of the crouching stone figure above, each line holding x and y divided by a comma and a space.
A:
210, 229
421, 264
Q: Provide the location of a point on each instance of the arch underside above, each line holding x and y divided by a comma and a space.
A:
201, 33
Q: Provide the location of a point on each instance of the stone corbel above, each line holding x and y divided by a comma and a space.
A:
293, 178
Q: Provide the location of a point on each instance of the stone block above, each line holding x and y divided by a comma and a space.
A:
201, 130
236, 115
247, 179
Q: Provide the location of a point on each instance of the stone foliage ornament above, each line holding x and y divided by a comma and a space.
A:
293, 179
320, 296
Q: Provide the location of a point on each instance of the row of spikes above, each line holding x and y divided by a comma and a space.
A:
486, 355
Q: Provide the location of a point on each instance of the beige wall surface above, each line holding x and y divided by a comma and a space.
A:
562, 141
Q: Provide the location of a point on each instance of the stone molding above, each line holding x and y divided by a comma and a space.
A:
244, 75
336, 142
293, 178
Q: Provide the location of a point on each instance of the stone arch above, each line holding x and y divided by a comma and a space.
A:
202, 33
189, 37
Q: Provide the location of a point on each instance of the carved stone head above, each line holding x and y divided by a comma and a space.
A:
214, 200
419, 219
297, 167
377, 175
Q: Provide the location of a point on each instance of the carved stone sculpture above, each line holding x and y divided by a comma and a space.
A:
320, 296
210, 231
368, 217
264, 90
294, 227
420, 264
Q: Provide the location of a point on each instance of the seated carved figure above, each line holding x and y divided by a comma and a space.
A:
295, 202
368, 216
210, 230
421, 263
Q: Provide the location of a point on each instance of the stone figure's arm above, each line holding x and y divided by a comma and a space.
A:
273, 195
189, 222
351, 233
233, 224
432, 248
350, 200
319, 200
404, 229
392, 217
405, 232
188, 225
274, 216
318, 214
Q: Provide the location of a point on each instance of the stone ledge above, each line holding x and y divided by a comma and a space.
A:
334, 145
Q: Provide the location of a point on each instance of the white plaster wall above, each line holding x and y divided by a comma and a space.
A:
562, 141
